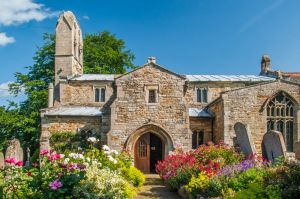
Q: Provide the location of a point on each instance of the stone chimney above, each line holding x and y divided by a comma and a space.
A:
265, 64
151, 60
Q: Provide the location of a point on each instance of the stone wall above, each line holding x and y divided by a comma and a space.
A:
82, 93
52, 125
214, 90
247, 106
218, 121
131, 110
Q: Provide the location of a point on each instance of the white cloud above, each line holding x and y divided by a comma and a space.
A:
4, 89
4, 39
14, 12
260, 15
86, 17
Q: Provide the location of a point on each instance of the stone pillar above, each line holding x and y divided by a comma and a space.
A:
50, 95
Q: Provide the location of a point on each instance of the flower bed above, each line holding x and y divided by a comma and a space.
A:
217, 171
91, 174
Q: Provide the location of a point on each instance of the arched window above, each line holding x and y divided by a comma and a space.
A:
280, 117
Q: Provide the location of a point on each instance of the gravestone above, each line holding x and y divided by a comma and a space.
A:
1, 161
244, 139
274, 145
14, 150
297, 150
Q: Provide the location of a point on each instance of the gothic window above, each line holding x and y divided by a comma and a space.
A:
142, 149
99, 94
152, 96
280, 117
197, 139
201, 95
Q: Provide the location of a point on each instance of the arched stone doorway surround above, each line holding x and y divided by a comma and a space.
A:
165, 137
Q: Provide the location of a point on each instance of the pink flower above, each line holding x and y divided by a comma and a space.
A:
11, 161
72, 166
53, 156
44, 152
19, 163
56, 184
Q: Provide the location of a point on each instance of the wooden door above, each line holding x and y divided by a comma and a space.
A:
142, 153
156, 151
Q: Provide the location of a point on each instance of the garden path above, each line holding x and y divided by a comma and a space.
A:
154, 188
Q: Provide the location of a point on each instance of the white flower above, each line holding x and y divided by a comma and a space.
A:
94, 162
114, 152
105, 148
113, 160
66, 160
62, 155
80, 156
73, 155
88, 159
92, 139
106, 152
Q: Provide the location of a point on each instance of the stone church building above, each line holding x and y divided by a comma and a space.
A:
151, 110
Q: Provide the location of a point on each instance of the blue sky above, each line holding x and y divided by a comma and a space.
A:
186, 36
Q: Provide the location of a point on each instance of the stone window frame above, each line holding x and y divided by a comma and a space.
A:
198, 134
196, 94
147, 89
94, 93
281, 116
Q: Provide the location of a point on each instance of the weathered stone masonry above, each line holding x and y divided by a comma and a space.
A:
180, 107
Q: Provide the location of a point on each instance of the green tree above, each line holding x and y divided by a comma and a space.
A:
103, 53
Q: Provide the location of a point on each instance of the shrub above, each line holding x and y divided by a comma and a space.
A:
199, 184
134, 176
103, 183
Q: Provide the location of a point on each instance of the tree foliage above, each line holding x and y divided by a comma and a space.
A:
103, 53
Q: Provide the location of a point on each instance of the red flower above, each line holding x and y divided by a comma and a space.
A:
19, 163
28, 173
11, 160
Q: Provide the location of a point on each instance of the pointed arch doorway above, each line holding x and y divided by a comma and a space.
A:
148, 150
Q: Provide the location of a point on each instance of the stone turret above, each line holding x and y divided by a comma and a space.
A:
68, 47
265, 64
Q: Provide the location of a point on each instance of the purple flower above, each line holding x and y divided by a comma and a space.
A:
56, 184
81, 166
72, 166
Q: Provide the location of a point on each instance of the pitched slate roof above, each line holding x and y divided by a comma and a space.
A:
196, 112
228, 78
93, 77
74, 111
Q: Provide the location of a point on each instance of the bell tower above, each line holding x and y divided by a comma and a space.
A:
68, 47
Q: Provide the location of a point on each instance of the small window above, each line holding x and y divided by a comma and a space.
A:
197, 139
152, 96
202, 95
100, 95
